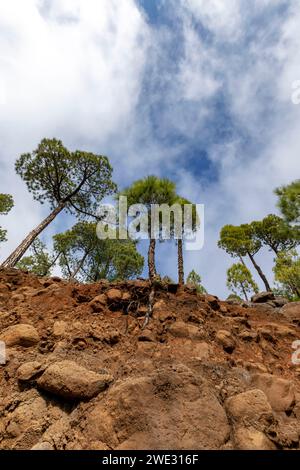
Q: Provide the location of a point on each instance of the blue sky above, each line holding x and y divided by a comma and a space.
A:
153, 10
195, 90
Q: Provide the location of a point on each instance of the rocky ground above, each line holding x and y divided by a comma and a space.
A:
81, 373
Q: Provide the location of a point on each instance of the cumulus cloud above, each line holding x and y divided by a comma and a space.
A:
71, 66
261, 153
70, 69
222, 18
195, 72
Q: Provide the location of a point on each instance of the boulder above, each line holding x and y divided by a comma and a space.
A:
213, 301
273, 331
161, 312
286, 433
196, 317
29, 370
266, 333
98, 303
59, 328
180, 329
20, 335
280, 301
42, 446
262, 297
265, 308
251, 407
252, 439
225, 338
291, 312
147, 335
201, 351
126, 296
223, 309
283, 331
72, 381
280, 392
247, 335
27, 419
17, 298
114, 295
171, 408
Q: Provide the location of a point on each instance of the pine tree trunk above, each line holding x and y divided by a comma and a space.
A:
54, 261
79, 266
242, 261
261, 274
17, 254
245, 293
180, 262
151, 259
294, 288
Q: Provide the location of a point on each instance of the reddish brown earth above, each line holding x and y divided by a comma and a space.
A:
81, 373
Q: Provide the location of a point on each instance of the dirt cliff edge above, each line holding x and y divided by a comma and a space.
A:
81, 373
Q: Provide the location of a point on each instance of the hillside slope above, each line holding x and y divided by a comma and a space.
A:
81, 373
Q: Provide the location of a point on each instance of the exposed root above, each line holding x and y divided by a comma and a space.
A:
150, 306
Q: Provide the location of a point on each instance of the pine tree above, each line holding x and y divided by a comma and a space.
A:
239, 280
275, 233
72, 181
6, 204
239, 241
39, 262
194, 279
287, 272
83, 256
194, 225
289, 202
148, 191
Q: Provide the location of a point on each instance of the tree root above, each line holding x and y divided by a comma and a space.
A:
150, 306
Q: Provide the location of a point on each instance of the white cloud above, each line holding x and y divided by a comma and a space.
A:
221, 17
78, 75
197, 69
256, 82
70, 69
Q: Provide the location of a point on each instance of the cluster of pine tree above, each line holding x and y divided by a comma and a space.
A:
76, 182
280, 235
